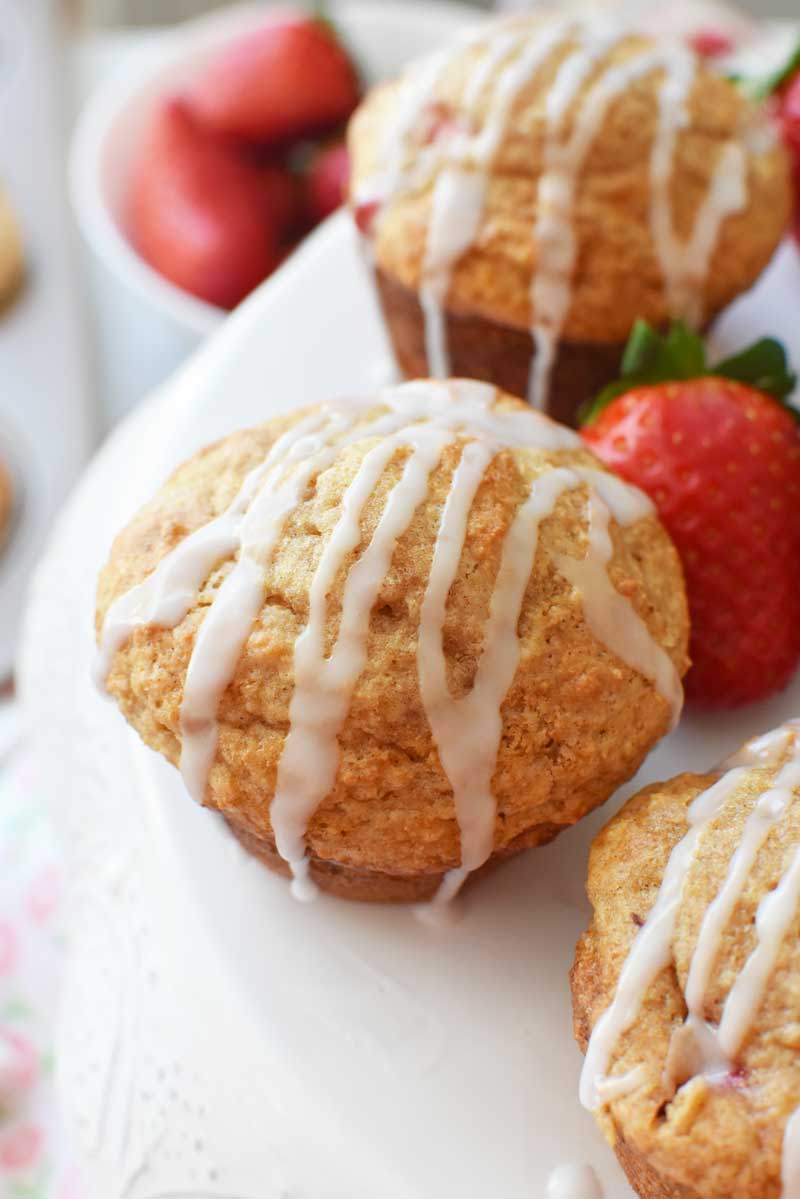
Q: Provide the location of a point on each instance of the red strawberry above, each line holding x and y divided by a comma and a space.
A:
283, 199
720, 457
197, 211
326, 181
711, 43
290, 79
790, 113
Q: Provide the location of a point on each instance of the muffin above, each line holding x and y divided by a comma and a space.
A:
394, 639
11, 257
686, 987
6, 503
531, 191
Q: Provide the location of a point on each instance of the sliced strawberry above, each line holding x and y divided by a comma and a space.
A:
326, 181
711, 43
290, 79
721, 460
197, 211
365, 214
283, 199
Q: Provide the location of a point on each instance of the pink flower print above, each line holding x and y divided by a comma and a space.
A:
9, 950
20, 1147
44, 894
18, 1063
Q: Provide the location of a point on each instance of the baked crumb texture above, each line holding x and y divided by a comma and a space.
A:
576, 720
12, 262
501, 178
706, 1114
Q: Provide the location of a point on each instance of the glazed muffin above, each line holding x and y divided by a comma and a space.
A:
394, 639
529, 192
6, 503
686, 987
11, 256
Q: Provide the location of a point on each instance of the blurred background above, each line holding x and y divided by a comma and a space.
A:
145, 12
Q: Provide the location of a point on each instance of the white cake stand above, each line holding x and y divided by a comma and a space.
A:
219, 1040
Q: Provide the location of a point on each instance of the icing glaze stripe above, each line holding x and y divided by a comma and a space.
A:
459, 192
467, 731
324, 686
611, 617
651, 950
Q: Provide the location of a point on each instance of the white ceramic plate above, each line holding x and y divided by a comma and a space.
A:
221, 1041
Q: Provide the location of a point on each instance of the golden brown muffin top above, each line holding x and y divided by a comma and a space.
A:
625, 169
350, 554
695, 887
11, 252
6, 502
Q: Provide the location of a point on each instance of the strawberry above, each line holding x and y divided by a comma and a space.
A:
790, 114
711, 43
719, 455
290, 79
197, 211
283, 199
326, 181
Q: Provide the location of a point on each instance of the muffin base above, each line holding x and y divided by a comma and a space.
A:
499, 354
647, 1182
376, 886
7, 504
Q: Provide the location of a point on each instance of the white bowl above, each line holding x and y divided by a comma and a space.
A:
163, 321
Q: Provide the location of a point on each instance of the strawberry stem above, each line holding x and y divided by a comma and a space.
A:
651, 358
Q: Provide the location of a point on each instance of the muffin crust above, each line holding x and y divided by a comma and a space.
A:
689, 1126
617, 277
569, 735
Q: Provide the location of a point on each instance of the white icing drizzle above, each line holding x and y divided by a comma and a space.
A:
164, 597
324, 685
768, 811
467, 730
775, 914
512, 54
651, 949
769, 749
418, 420
555, 244
685, 264
696, 1047
457, 205
574, 1182
611, 617
459, 192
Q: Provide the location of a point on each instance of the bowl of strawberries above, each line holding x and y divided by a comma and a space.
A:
196, 173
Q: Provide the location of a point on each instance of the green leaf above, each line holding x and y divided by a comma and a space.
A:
763, 365
686, 353
642, 351
651, 358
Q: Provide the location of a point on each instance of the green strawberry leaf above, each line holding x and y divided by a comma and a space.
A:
764, 366
651, 358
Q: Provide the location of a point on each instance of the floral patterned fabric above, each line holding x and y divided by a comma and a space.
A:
33, 1164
